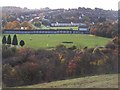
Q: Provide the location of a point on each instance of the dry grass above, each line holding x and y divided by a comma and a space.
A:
100, 81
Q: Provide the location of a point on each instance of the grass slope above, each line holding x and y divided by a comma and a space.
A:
52, 40
100, 81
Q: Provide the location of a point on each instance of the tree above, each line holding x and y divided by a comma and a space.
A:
4, 40
16, 24
9, 40
86, 19
12, 25
46, 22
26, 25
72, 19
37, 24
9, 25
15, 41
4, 22
102, 19
93, 30
22, 43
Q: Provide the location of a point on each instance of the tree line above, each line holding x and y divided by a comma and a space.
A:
106, 29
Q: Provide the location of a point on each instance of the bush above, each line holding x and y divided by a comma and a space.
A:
29, 73
37, 24
27, 66
72, 48
110, 46
8, 51
9, 75
22, 43
105, 29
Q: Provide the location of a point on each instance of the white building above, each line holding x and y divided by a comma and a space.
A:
83, 27
64, 24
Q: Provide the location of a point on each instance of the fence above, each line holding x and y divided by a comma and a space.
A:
44, 32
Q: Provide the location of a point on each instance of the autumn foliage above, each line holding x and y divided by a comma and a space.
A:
105, 29
25, 66
16, 25
12, 25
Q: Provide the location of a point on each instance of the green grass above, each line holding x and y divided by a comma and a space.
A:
52, 40
55, 28
99, 81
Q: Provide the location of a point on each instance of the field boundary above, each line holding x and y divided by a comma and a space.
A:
44, 32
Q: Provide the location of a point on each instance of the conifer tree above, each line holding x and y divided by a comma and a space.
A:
15, 41
4, 40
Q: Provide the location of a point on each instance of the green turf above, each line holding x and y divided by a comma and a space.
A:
52, 40
55, 28
99, 81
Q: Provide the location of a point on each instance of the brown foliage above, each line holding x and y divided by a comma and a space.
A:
15, 25
26, 25
30, 66
105, 29
12, 25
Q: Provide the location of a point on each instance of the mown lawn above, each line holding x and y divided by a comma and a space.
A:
55, 28
52, 40
99, 81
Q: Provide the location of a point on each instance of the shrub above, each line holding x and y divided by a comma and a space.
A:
60, 47
105, 29
22, 43
37, 24
9, 75
25, 51
116, 40
71, 70
7, 51
29, 73
72, 48
110, 46
28, 66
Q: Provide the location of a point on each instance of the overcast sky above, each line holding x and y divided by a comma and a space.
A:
54, 4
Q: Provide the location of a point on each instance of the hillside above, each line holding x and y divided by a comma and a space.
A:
60, 15
99, 81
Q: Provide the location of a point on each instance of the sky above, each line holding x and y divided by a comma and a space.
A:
54, 4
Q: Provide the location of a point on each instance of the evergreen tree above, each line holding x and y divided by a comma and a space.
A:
4, 40
15, 41
9, 40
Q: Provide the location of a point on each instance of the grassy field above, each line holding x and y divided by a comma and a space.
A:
52, 40
55, 28
99, 81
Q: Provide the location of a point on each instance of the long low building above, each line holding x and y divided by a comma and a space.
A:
64, 24
44, 32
